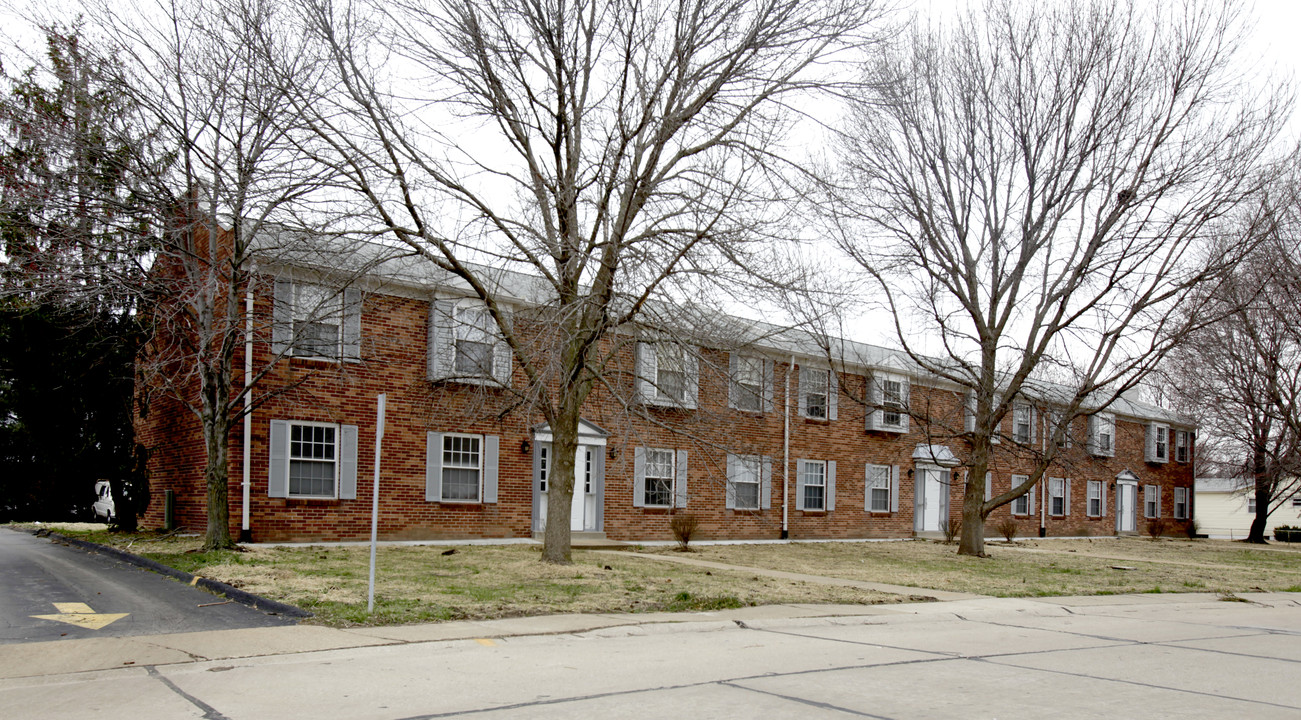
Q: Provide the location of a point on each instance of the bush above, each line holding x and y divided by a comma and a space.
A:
951, 529
1155, 528
1007, 528
683, 527
1287, 534
1193, 528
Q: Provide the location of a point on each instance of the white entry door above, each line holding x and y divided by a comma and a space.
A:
932, 489
582, 513
1126, 505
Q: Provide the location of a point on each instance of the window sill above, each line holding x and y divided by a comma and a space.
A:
815, 421
815, 513
311, 502
308, 360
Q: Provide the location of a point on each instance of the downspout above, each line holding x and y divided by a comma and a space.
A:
786, 451
245, 531
1044, 486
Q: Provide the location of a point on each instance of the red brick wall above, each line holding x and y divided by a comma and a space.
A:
393, 362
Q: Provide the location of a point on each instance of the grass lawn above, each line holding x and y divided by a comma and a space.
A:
1038, 568
429, 584
421, 584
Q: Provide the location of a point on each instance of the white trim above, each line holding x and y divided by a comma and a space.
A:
289, 458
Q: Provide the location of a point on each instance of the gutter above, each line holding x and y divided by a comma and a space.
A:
786, 451
245, 531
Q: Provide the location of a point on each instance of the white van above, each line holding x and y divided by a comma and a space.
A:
103, 507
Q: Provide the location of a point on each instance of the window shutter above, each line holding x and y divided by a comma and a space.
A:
440, 359
691, 361
491, 452
1066, 492
946, 487
799, 484
730, 486
433, 467
1158, 501
1093, 445
996, 430
646, 372
767, 386
680, 482
831, 485
833, 394
278, 480
801, 381
282, 319
905, 390
989, 485
352, 324
894, 488
348, 462
639, 477
919, 486
502, 357
733, 387
873, 404
1102, 510
598, 486
969, 413
1149, 447
1032, 507
765, 483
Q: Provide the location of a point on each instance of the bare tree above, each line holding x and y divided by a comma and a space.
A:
225, 176
1241, 377
1031, 189
617, 152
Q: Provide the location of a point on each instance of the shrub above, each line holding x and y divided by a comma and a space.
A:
1007, 528
1155, 528
683, 527
951, 529
1193, 528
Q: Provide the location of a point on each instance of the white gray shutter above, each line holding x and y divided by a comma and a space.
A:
440, 359
894, 488
491, 452
765, 483
905, 392
946, 487
831, 485
646, 372
874, 404
1066, 492
680, 482
352, 324
1158, 501
502, 357
598, 486
691, 369
919, 488
799, 484
989, 485
282, 317
1031, 506
767, 385
639, 477
969, 413
1149, 445
347, 462
433, 467
733, 387
729, 501
1102, 495
833, 394
800, 382
278, 475
1093, 445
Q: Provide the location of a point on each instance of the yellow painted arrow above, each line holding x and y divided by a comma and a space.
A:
81, 615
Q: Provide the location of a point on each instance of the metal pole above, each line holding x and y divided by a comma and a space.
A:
374, 502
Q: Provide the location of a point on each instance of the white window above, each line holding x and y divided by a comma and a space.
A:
666, 374
748, 383
462, 467
1095, 498
892, 403
1251, 504
1181, 446
1023, 504
744, 481
318, 321
1296, 501
878, 488
313, 460
1022, 423
1158, 443
544, 466
659, 477
670, 372
815, 386
1057, 500
1055, 419
1151, 501
813, 478
1181, 503
476, 337
888, 396
1102, 435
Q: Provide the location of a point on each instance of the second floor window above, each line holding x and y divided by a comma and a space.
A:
814, 385
318, 321
475, 339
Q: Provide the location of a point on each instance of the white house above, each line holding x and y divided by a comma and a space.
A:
1225, 507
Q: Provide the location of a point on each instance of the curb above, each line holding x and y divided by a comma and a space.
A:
243, 597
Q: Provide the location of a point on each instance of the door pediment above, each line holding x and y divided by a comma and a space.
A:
589, 433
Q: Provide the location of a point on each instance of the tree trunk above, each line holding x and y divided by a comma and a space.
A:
973, 517
1263, 494
216, 477
556, 545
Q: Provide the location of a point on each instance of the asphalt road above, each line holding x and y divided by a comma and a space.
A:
87, 595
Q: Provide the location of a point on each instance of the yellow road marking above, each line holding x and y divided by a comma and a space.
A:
485, 642
81, 615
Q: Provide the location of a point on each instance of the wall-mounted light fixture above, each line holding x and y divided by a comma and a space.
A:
525, 447
611, 451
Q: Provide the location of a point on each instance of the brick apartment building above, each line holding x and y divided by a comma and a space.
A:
757, 440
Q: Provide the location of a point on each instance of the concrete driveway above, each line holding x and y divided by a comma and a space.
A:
1185, 656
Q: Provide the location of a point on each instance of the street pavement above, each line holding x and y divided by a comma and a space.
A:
51, 591
1184, 656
